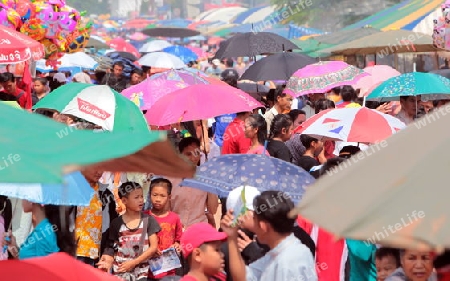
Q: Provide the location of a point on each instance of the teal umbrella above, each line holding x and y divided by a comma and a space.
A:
411, 84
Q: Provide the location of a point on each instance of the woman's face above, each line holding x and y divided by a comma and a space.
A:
417, 265
250, 131
300, 119
38, 87
409, 105
192, 152
287, 133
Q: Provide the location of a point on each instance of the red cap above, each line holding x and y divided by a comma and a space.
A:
197, 235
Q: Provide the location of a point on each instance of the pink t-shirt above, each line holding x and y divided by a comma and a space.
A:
258, 150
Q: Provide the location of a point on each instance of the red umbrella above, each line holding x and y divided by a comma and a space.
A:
137, 23
56, 267
121, 45
16, 47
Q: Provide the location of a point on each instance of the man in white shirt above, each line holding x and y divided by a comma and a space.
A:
283, 102
287, 260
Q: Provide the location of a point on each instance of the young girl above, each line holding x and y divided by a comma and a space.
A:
256, 130
171, 228
280, 132
132, 238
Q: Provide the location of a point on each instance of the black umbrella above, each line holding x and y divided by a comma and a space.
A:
171, 32
277, 67
124, 55
251, 88
251, 44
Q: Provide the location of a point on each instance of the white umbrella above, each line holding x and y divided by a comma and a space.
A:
80, 59
162, 60
154, 46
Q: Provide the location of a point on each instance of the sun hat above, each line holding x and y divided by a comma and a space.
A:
197, 235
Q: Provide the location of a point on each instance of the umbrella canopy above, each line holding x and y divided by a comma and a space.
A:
97, 44
80, 60
125, 55
443, 72
138, 36
411, 84
55, 267
222, 174
185, 54
154, 46
33, 160
137, 23
351, 125
98, 104
251, 44
385, 43
120, 45
199, 102
17, 47
146, 93
276, 67
201, 54
170, 32
346, 35
311, 47
252, 88
162, 60
322, 77
400, 195
75, 191
378, 74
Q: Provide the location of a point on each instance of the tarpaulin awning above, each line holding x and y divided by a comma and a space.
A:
240, 18
405, 15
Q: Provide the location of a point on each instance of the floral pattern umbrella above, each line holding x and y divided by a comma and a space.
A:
323, 76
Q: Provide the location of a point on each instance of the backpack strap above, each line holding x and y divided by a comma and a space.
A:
20, 95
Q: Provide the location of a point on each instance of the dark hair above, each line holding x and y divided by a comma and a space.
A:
271, 95
258, 122
279, 92
185, 142
6, 211
386, 252
294, 113
273, 207
41, 80
59, 218
348, 151
7, 77
230, 76
331, 164
307, 140
229, 62
161, 182
126, 188
336, 90
137, 71
323, 104
119, 63
280, 122
348, 94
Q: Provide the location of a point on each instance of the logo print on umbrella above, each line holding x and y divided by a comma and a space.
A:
137, 99
91, 109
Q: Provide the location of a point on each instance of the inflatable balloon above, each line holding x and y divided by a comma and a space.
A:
34, 29
14, 18
66, 22
25, 9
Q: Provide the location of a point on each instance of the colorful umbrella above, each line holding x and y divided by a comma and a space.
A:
137, 23
322, 77
201, 54
411, 84
55, 267
389, 195
146, 93
119, 44
55, 148
199, 102
75, 191
138, 36
77, 60
98, 104
16, 47
13, 104
351, 125
154, 46
222, 174
162, 60
183, 53
378, 74
171, 32
215, 40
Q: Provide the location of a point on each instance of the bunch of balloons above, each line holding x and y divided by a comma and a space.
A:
441, 32
60, 28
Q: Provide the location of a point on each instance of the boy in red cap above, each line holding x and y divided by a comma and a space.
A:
200, 245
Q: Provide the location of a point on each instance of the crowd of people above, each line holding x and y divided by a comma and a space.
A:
133, 219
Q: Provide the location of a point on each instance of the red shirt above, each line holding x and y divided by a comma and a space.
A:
171, 231
234, 140
23, 99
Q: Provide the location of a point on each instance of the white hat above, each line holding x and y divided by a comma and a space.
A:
216, 62
60, 77
235, 202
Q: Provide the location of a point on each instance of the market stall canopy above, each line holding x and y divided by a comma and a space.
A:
346, 35
385, 43
16, 47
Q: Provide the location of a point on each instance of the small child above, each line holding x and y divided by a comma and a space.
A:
387, 260
201, 245
132, 238
171, 228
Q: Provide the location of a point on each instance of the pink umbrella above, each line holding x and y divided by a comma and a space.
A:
323, 76
146, 93
201, 54
138, 36
378, 74
199, 102
119, 44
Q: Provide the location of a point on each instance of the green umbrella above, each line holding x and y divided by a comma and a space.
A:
36, 149
411, 84
12, 103
98, 104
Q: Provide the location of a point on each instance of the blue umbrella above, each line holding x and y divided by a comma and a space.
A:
185, 54
222, 174
75, 191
